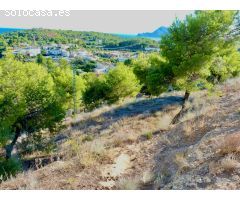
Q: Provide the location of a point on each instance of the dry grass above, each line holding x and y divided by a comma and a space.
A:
24, 181
165, 139
200, 104
231, 85
121, 139
147, 176
128, 183
230, 163
135, 125
181, 162
192, 128
87, 153
188, 129
214, 168
165, 121
201, 123
229, 144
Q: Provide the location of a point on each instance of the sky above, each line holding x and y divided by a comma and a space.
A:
126, 22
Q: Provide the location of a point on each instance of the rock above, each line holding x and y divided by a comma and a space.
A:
121, 163
107, 184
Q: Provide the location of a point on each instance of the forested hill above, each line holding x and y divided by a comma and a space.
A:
80, 38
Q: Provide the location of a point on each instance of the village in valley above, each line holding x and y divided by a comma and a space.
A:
103, 58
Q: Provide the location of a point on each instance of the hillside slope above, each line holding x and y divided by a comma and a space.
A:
203, 153
133, 146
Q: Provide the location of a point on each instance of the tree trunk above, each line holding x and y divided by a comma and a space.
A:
177, 116
9, 147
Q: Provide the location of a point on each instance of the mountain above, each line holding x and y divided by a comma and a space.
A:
4, 30
155, 34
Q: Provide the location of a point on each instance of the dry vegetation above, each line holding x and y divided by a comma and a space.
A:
202, 152
229, 144
133, 146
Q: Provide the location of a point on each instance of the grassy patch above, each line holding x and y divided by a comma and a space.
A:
148, 135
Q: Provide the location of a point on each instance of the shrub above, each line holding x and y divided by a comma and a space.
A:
95, 92
84, 65
158, 78
229, 144
88, 138
148, 135
140, 67
122, 83
30, 100
230, 163
148, 69
9, 168
119, 83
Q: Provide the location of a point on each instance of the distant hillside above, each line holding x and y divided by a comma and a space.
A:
155, 34
4, 30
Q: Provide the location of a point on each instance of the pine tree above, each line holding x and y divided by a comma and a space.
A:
192, 46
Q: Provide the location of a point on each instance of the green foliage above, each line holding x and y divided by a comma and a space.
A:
95, 92
3, 46
158, 78
192, 45
196, 54
128, 61
31, 97
62, 74
40, 59
37, 142
141, 66
9, 168
225, 65
133, 44
118, 83
122, 83
148, 135
25, 89
20, 57
76, 39
152, 72
84, 65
